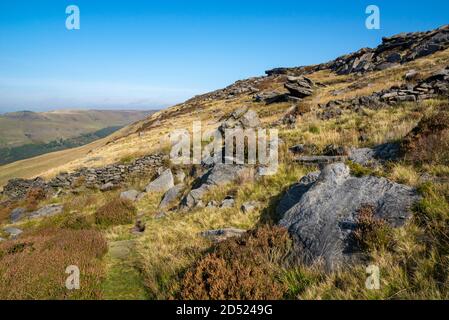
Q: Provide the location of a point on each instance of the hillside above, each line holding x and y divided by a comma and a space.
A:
26, 134
363, 179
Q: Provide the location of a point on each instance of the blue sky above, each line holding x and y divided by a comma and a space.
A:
137, 54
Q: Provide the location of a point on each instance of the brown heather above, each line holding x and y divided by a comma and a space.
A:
428, 142
33, 267
116, 212
245, 268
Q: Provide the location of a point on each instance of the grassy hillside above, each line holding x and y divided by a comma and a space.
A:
26, 127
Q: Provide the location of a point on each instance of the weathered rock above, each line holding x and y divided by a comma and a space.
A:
17, 214
219, 175
163, 183
323, 219
131, 195
13, 232
228, 202
171, 195
222, 234
47, 211
312, 160
375, 156
250, 206
108, 187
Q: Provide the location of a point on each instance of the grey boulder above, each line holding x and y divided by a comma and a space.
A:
171, 195
17, 214
219, 175
13, 232
47, 211
163, 183
131, 195
321, 215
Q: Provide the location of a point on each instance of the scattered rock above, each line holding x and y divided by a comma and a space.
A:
219, 175
212, 204
228, 202
17, 214
13, 232
108, 187
371, 157
47, 211
131, 195
248, 207
323, 219
222, 234
170, 196
163, 183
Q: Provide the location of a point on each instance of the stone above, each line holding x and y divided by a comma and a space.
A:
312, 160
131, 195
139, 227
228, 202
163, 183
324, 216
170, 196
212, 204
411, 75
17, 214
220, 235
108, 187
13, 232
47, 211
298, 91
250, 206
219, 175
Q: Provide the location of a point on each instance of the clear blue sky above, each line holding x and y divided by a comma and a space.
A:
146, 54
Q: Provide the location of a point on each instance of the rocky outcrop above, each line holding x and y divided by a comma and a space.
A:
393, 51
431, 87
299, 87
321, 212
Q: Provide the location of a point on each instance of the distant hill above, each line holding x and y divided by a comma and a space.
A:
27, 127
26, 134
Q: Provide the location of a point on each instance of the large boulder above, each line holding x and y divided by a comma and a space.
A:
321, 212
219, 175
163, 183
